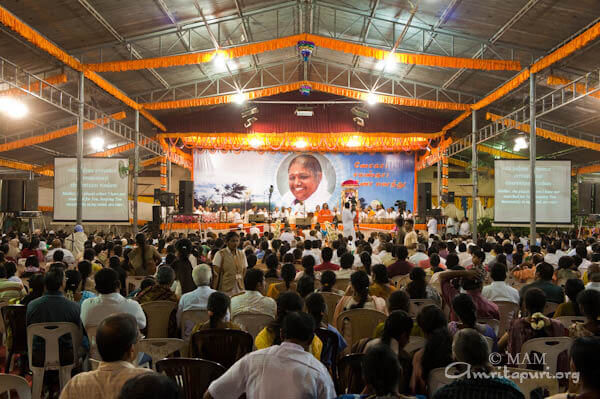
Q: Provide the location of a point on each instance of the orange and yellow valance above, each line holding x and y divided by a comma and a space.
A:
10, 20
304, 141
319, 41
53, 80
25, 166
547, 134
13, 145
323, 87
579, 87
498, 153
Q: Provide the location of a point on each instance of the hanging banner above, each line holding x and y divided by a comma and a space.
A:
301, 179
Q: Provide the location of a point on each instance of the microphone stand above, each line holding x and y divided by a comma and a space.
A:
270, 194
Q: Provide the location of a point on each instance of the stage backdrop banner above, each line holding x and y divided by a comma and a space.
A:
301, 179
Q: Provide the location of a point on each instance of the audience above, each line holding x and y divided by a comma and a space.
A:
471, 281
196, 299
499, 290
165, 276
285, 369
317, 308
465, 309
589, 302
116, 337
9, 289
151, 386
419, 289
573, 287
381, 286
543, 280
328, 280
360, 297
252, 300
218, 306
288, 274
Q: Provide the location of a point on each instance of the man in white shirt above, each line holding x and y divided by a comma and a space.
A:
432, 226
464, 257
498, 290
252, 300
585, 263
381, 213
68, 257
287, 370
410, 238
348, 221
464, 230
419, 256
254, 230
197, 299
115, 338
594, 277
287, 236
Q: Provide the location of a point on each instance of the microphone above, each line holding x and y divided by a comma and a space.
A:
271, 189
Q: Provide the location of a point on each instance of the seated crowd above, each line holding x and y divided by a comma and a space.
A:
445, 293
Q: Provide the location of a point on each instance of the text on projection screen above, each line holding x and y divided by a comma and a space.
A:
105, 189
512, 191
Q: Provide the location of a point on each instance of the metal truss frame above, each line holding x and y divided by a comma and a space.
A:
16, 77
287, 16
575, 90
320, 70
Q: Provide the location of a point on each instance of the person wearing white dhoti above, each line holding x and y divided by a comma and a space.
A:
348, 221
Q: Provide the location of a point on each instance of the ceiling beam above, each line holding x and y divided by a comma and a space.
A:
134, 53
495, 37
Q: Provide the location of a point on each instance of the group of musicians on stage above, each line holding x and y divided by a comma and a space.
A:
377, 214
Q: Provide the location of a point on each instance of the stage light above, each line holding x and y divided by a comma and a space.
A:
220, 61
255, 142
13, 108
97, 143
300, 144
354, 142
388, 64
520, 144
239, 98
371, 99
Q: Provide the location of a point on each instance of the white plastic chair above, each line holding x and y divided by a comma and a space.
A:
414, 344
135, 281
158, 314
189, 319
495, 324
551, 346
159, 348
508, 312
438, 378
550, 308
91, 334
50, 333
253, 323
568, 321
417, 304
10, 382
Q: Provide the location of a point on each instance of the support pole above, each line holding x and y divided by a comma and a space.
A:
80, 122
439, 181
474, 171
532, 155
136, 165
168, 175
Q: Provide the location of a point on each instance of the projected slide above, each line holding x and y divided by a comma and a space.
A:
105, 189
552, 191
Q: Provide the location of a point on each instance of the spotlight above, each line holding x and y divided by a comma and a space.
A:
304, 111
372, 99
220, 61
354, 141
360, 112
249, 122
97, 143
359, 121
239, 98
300, 144
520, 144
388, 64
13, 108
248, 112
255, 142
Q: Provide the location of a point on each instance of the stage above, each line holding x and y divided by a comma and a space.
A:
222, 227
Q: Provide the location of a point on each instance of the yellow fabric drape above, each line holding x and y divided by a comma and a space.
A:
498, 153
580, 87
458, 162
324, 142
490, 202
13, 145
323, 87
458, 203
291, 41
34, 87
14, 23
547, 134
573, 45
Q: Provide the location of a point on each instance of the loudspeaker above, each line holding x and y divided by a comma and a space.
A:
586, 198
31, 195
186, 197
157, 192
13, 192
156, 215
424, 198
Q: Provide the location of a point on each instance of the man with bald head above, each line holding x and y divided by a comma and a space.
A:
116, 338
308, 186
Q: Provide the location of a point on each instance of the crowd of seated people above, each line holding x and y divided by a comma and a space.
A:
282, 275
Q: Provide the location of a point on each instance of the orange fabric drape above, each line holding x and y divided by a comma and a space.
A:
175, 155
547, 134
329, 142
580, 87
13, 145
291, 41
498, 153
587, 169
25, 166
456, 121
53, 80
323, 87
564, 51
14, 23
